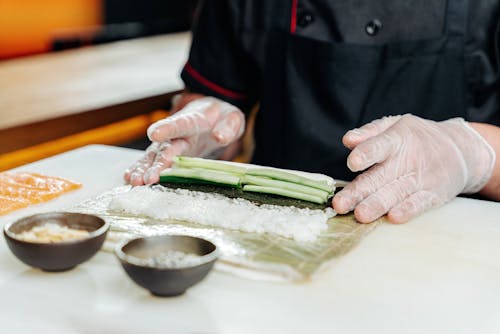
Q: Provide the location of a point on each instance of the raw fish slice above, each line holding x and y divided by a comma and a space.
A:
38, 181
8, 204
12, 191
20, 189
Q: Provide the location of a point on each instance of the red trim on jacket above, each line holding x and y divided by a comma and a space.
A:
211, 85
293, 17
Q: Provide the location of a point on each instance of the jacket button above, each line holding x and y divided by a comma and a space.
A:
305, 19
373, 27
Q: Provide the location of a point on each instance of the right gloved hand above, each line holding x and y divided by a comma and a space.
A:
199, 129
412, 164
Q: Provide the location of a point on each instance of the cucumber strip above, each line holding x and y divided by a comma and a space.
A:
190, 162
283, 192
167, 179
205, 175
267, 182
326, 185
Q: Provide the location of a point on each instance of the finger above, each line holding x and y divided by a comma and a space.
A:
374, 150
229, 128
387, 197
163, 159
176, 126
413, 206
189, 121
354, 137
134, 173
179, 101
361, 187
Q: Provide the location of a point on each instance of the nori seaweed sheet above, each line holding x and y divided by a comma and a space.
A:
256, 198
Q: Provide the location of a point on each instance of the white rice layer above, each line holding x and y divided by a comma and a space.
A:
217, 210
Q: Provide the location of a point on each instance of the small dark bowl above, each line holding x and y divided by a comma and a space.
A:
57, 256
159, 279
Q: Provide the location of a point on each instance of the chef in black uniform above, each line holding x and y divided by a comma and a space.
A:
417, 83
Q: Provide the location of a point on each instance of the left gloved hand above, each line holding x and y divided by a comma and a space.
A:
414, 164
202, 126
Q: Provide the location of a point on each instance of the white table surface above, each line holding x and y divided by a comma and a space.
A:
439, 273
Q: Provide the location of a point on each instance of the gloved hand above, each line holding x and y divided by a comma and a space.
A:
416, 164
200, 128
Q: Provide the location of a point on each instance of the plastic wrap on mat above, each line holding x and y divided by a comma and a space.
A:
251, 255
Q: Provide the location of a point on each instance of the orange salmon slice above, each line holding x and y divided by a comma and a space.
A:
21, 189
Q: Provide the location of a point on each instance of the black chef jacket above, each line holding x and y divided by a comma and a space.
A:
320, 68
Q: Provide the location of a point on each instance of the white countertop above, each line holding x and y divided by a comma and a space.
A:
440, 273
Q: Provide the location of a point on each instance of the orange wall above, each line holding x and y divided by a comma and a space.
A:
27, 26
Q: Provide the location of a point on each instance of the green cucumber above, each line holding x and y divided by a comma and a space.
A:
284, 192
326, 185
190, 162
204, 175
295, 187
182, 181
265, 180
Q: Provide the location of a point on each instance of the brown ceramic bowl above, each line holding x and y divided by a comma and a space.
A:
166, 278
62, 255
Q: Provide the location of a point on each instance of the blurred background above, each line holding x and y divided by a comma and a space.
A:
30, 27
82, 72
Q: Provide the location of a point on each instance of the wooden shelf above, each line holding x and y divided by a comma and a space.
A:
46, 97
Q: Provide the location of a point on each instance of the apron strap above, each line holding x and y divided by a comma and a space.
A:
457, 17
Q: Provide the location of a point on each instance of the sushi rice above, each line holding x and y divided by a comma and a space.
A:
158, 202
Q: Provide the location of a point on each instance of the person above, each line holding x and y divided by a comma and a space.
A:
403, 98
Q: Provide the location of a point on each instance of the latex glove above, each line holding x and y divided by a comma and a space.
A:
416, 164
200, 128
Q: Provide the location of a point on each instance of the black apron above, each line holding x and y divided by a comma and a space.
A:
315, 91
